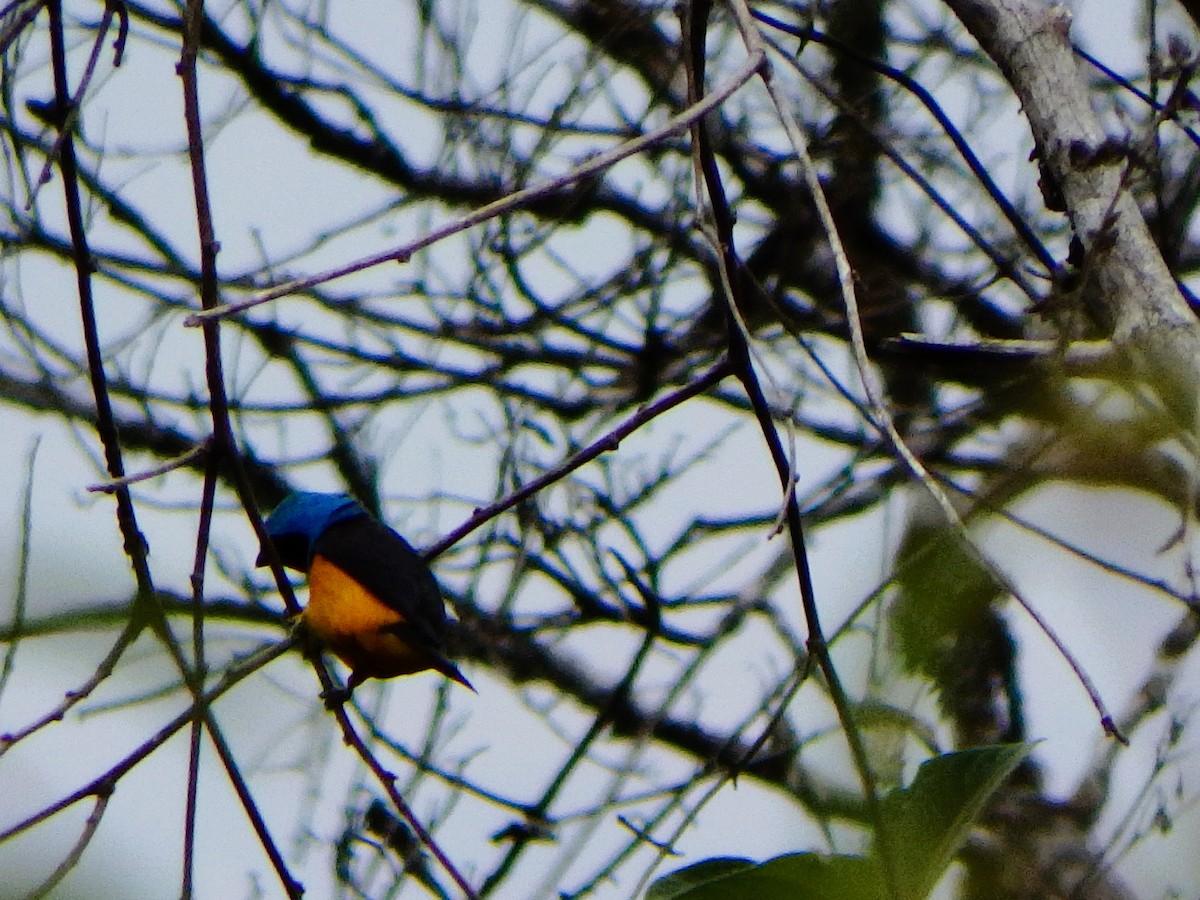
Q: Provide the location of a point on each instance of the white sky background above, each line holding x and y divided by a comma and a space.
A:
267, 190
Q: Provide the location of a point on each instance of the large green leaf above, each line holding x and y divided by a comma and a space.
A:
679, 883
798, 875
930, 820
942, 590
926, 823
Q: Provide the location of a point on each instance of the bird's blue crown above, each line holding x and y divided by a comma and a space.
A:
308, 514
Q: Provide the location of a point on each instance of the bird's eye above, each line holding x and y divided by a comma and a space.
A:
293, 550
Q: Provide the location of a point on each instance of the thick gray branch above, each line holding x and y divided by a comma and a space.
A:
1129, 288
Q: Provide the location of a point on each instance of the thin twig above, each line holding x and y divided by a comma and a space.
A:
180, 462
102, 794
67, 116
387, 781
980, 171
233, 675
579, 750
784, 695
593, 166
203, 531
13, 20
73, 697
605, 444
21, 591
222, 446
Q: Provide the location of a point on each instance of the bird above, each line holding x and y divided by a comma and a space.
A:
372, 600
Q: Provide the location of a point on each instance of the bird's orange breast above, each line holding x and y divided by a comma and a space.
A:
352, 622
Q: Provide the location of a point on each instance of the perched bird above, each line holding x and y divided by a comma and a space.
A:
371, 598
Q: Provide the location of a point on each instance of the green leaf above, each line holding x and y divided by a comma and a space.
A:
678, 883
798, 875
930, 820
943, 591
927, 823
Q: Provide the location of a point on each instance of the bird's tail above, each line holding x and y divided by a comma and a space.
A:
451, 671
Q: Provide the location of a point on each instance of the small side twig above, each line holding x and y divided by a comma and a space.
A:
605, 444
102, 794
233, 676
66, 113
180, 462
387, 781
200, 667
593, 166
20, 594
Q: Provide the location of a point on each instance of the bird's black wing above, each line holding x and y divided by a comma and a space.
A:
386, 565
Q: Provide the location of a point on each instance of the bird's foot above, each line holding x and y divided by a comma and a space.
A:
335, 698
